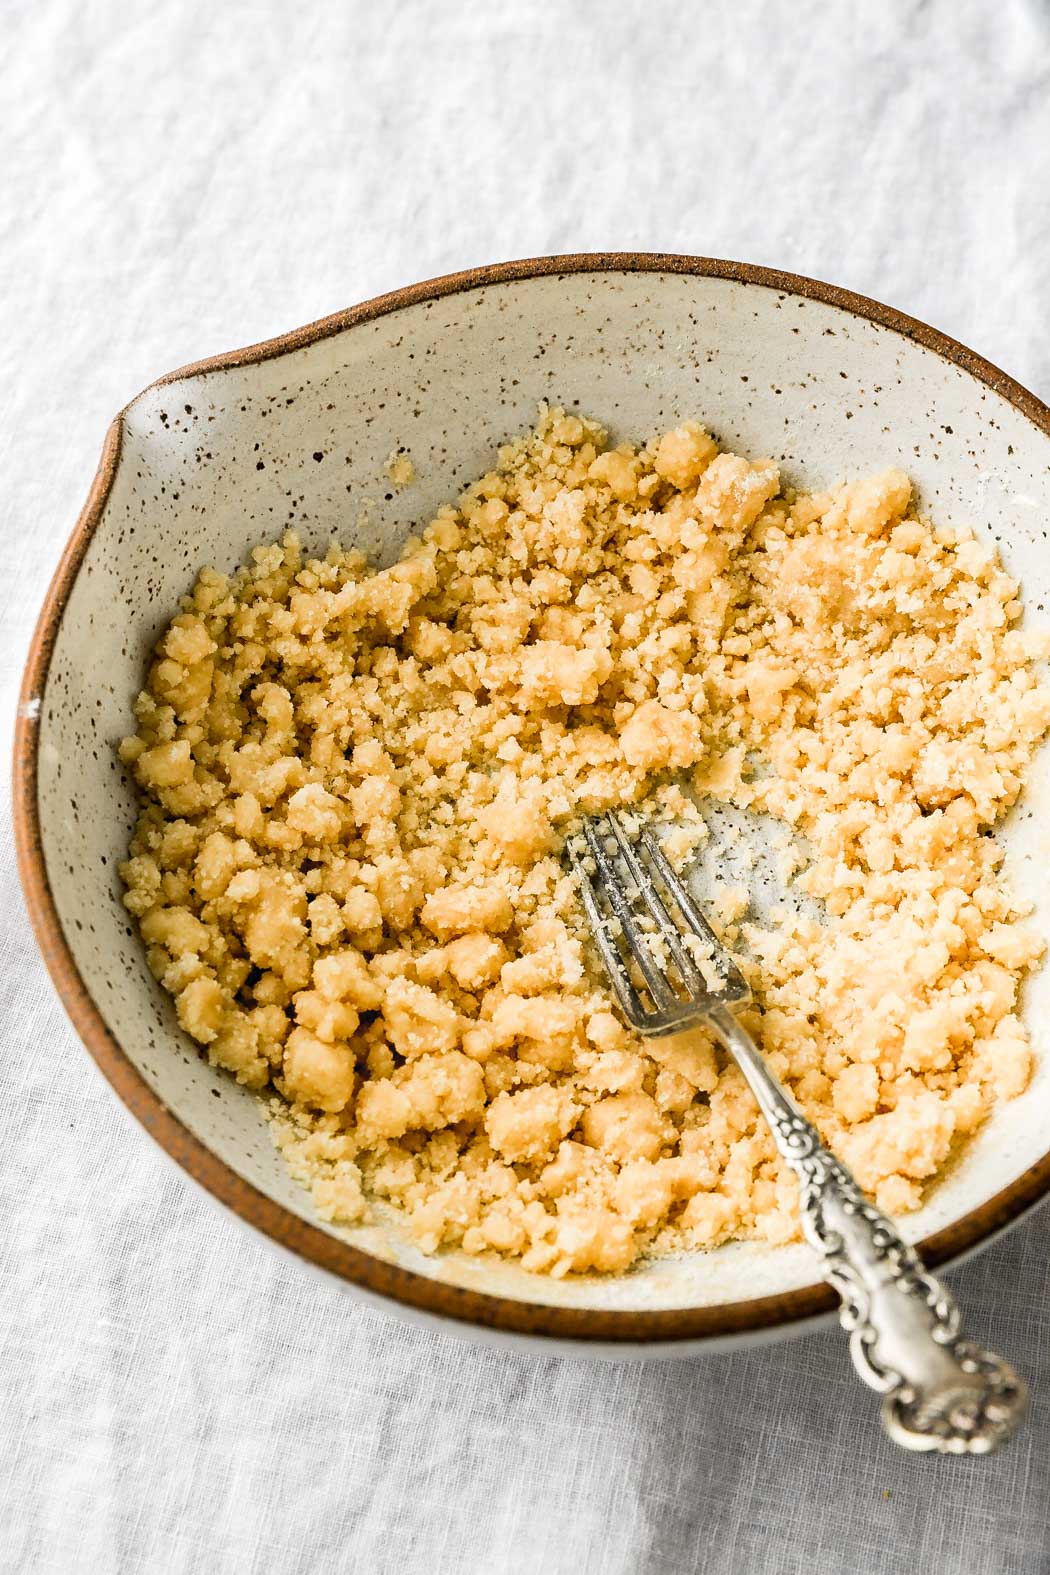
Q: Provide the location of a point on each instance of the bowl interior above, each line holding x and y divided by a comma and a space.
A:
212, 463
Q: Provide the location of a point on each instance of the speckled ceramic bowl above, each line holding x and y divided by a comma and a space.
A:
217, 456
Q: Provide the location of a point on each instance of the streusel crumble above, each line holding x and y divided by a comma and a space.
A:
356, 786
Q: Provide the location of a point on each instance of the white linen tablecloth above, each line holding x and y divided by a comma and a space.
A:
186, 177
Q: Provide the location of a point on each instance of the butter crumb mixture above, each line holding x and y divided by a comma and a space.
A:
356, 786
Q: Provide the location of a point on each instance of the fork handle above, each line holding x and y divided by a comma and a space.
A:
939, 1391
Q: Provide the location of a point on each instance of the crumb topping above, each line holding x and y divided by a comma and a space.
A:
356, 786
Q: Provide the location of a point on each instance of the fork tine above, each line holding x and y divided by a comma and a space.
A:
619, 978
613, 888
654, 902
689, 910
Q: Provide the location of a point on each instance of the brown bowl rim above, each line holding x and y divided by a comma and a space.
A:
586, 1326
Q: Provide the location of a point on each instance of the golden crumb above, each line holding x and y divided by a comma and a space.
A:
399, 468
356, 787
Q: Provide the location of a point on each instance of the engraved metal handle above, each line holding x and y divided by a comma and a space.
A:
939, 1391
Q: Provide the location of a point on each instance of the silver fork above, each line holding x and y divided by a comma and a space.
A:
940, 1392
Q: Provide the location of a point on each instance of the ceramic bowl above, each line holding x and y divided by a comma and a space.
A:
297, 431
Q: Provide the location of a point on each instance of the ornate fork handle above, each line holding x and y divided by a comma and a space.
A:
939, 1391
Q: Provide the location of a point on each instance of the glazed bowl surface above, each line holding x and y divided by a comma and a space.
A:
297, 432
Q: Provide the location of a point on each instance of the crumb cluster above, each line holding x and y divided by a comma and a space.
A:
356, 787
